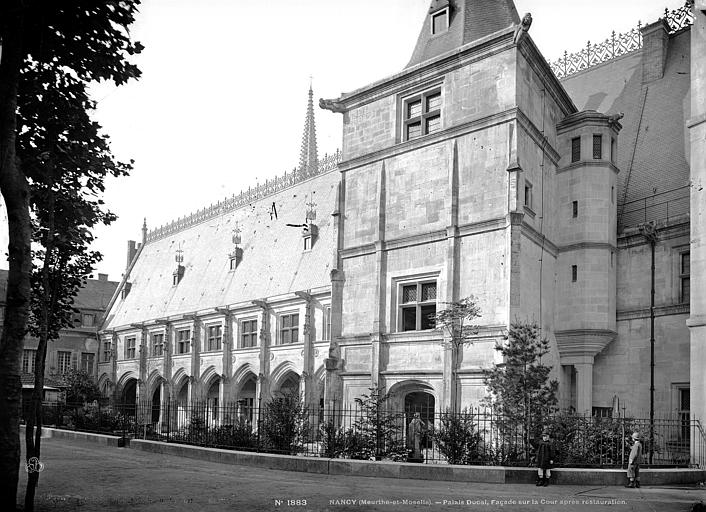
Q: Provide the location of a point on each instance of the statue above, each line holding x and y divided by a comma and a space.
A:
414, 438
332, 105
523, 27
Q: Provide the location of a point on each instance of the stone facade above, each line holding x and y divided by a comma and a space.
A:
474, 171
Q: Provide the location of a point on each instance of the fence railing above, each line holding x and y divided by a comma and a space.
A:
657, 207
477, 436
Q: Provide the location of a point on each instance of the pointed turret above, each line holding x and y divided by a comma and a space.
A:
308, 160
450, 24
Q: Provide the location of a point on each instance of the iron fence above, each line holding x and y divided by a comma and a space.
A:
476, 436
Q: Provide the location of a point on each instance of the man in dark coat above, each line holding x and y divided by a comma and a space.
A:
545, 459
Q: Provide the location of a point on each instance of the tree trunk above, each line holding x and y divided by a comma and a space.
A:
33, 443
15, 192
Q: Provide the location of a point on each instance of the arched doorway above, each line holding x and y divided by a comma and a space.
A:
129, 394
246, 400
156, 403
290, 386
423, 403
212, 404
182, 403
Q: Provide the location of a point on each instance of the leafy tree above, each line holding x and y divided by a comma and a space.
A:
521, 393
79, 387
58, 44
378, 432
456, 320
458, 438
284, 424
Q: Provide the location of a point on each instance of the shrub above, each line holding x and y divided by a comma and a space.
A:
284, 426
458, 438
376, 434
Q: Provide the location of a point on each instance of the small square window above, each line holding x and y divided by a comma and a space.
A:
574, 273
440, 21
248, 333
575, 209
89, 319
575, 149
422, 114
597, 147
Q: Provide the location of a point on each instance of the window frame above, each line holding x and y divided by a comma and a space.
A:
575, 149
130, 347
59, 363
29, 359
154, 344
416, 305
251, 334
425, 113
327, 323
528, 195
684, 277
88, 369
445, 12
281, 330
574, 273
91, 317
597, 138
211, 339
183, 342
107, 351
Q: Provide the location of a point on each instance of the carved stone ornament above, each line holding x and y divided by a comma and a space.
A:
272, 356
332, 105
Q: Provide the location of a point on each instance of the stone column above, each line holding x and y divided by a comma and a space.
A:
307, 385
376, 335
262, 392
195, 390
584, 387
227, 362
697, 131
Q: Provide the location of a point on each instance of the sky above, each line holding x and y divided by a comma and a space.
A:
222, 99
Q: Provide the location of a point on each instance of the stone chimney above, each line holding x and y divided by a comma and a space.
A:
655, 42
131, 251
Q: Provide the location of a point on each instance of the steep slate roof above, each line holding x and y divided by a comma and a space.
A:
95, 294
273, 263
469, 21
659, 163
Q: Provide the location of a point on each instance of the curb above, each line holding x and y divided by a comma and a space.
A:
406, 470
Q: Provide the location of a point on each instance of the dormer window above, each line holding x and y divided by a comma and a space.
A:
309, 235
440, 21
178, 275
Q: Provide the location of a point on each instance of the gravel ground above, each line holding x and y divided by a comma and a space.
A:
85, 476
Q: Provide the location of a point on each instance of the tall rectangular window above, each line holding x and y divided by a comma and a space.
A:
612, 150
685, 411
28, 356
439, 21
183, 341
214, 337
289, 328
575, 209
107, 350
248, 333
157, 344
130, 344
422, 114
597, 147
575, 149
327, 323
417, 308
574, 273
63, 361
528, 195
684, 277
87, 360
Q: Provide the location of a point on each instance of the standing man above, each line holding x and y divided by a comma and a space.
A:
634, 462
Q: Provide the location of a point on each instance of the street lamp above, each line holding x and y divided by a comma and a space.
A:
650, 233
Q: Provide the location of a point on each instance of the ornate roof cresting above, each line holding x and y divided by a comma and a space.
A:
617, 44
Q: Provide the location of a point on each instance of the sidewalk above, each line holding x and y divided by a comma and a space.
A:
80, 475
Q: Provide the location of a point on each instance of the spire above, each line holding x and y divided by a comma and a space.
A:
450, 24
308, 160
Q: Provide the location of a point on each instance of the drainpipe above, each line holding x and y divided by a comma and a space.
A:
650, 233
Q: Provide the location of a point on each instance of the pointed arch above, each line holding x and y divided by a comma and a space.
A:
125, 377
280, 373
208, 375
179, 375
243, 374
154, 379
